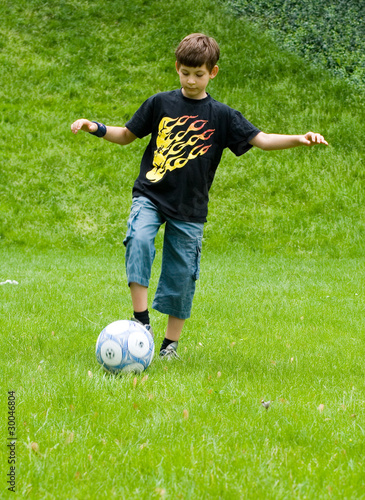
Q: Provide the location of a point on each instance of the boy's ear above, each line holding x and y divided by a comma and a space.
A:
214, 72
177, 66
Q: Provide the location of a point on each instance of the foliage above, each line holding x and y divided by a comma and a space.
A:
331, 34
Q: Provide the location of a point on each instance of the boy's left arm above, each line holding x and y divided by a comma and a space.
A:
271, 142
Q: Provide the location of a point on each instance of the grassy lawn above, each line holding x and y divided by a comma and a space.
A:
279, 308
286, 330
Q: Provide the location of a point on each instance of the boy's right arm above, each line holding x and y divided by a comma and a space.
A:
118, 135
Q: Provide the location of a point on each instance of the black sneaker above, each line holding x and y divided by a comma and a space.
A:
170, 352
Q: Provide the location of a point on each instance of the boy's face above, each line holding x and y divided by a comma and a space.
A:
194, 81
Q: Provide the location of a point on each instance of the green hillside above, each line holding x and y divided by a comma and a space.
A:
63, 60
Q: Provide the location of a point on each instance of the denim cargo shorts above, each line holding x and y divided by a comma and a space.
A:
180, 257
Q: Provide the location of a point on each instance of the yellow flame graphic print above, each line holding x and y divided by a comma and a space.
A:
173, 149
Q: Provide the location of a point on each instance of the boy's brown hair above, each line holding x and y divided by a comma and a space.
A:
197, 49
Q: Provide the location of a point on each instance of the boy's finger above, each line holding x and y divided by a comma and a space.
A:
313, 138
321, 140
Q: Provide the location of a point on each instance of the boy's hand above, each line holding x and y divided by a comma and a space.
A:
85, 125
310, 138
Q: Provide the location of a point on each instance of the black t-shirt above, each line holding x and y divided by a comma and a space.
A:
188, 137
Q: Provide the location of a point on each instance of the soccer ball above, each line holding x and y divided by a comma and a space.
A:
124, 346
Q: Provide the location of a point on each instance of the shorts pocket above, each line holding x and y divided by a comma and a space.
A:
196, 270
136, 208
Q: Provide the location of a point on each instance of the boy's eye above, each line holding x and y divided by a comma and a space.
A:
187, 74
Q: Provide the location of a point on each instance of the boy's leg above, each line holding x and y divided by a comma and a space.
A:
141, 313
143, 224
170, 342
174, 328
139, 294
179, 272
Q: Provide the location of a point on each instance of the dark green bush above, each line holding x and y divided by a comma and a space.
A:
329, 33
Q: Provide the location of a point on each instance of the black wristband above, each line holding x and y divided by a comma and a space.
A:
101, 131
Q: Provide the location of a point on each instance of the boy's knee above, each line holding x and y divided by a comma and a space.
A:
139, 241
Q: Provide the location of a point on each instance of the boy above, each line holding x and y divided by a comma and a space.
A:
189, 131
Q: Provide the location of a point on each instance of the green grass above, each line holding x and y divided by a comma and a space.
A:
279, 307
288, 330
